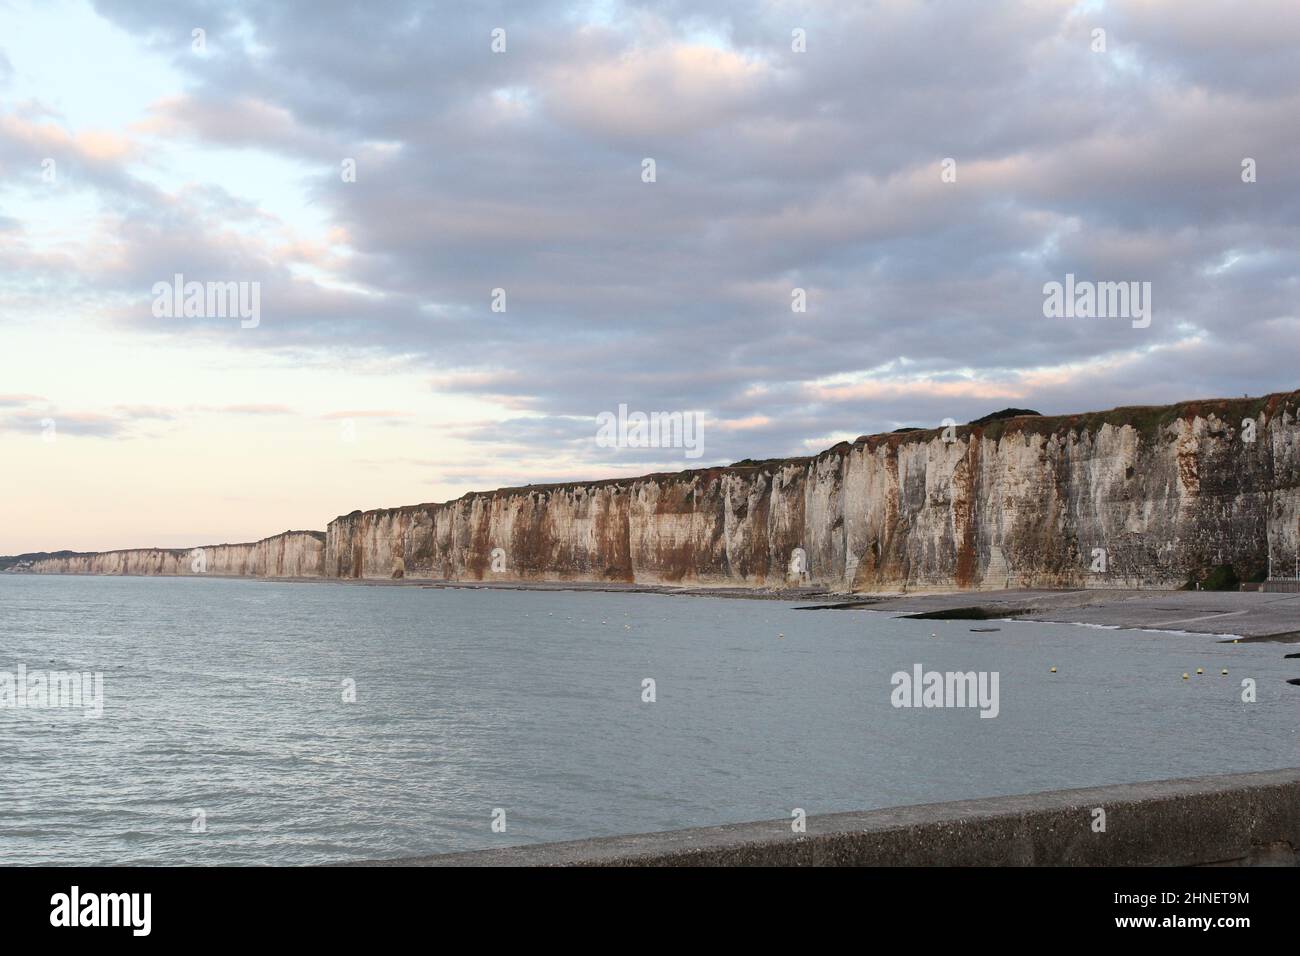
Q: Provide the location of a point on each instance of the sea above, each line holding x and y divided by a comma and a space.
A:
246, 722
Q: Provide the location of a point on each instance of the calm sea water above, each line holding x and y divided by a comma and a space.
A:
227, 697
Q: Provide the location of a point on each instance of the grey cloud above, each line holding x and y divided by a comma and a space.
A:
818, 170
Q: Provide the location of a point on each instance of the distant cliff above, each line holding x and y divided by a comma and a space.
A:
1132, 497
290, 554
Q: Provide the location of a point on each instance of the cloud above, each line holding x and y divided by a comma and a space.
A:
36, 416
776, 170
658, 92
253, 409
242, 122
365, 413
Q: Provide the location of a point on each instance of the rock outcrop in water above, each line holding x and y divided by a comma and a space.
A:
1132, 497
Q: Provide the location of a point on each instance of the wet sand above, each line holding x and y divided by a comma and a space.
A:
1243, 615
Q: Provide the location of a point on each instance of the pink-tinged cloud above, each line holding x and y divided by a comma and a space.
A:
859, 391
53, 141
740, 424
244, 121
667, 89
248, 409
366, 413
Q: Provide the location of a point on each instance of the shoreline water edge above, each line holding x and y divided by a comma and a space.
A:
1254, 616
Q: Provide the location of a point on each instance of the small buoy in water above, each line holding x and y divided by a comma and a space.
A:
1200, 670
1184, 675
779, 636
1224, 672
1053, 670
934, 635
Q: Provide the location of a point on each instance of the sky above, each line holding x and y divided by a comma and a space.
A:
377, 171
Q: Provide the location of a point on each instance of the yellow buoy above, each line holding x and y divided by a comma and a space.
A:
1053, 670
1200, 670
1224, 672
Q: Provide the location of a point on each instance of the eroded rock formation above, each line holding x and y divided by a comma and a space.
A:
292, 554
1132, 497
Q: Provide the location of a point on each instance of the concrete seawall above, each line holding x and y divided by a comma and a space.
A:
1235, 819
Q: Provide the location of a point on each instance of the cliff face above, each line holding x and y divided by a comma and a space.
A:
1132, 497
291, 554
1129, 498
